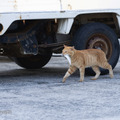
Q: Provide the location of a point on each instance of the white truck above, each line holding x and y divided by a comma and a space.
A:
31, 30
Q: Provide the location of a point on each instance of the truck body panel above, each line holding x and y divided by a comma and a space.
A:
12, 10
9, 6
90, 4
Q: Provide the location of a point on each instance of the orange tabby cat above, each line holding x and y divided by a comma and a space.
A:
85, 58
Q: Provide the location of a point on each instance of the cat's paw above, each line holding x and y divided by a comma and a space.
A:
81, 80
63, 81
111, 75
94, 78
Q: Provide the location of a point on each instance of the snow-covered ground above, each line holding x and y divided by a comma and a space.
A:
40, 94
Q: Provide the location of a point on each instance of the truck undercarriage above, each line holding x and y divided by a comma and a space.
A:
30, 43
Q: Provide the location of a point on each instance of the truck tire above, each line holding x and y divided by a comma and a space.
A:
32, 62
98, 36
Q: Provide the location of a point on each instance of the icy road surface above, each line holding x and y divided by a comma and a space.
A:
40, 94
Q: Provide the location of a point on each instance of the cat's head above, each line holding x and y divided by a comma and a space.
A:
68, 50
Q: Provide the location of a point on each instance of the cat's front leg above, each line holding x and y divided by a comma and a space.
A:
70, 71
82, 72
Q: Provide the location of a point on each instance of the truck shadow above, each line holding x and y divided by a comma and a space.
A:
41, 76
39, 72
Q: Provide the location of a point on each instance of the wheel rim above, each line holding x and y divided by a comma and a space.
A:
100, 41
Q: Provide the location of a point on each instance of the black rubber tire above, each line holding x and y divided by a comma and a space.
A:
33, 62
84, 33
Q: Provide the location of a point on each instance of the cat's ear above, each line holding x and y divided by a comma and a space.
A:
72, 48
65, 46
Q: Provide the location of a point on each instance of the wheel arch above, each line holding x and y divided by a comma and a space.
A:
110, 19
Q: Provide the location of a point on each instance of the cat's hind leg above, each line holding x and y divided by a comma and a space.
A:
97, 71
70, 71
106, 65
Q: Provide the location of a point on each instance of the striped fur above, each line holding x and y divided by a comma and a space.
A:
80, 59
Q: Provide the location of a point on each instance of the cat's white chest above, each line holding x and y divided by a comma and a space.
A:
68, 58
